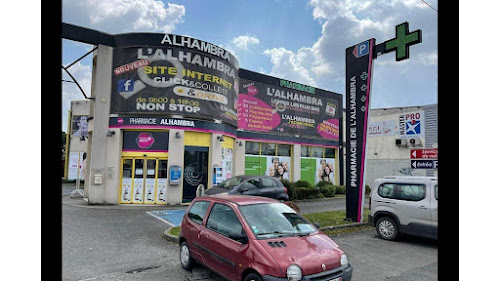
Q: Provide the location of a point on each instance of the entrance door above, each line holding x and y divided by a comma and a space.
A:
144, 180
195, 171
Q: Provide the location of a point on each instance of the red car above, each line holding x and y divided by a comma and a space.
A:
257, 238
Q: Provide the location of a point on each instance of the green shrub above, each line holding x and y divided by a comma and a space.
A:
308, 193
328, 190
321, 184
290, 186
368, 190
303, 183
340, 189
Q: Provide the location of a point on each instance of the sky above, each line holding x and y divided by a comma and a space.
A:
297, 40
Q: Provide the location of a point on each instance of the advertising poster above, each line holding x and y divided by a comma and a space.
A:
79, 126
271, 108
74, 165
150, 190
412, 125
227, 163
385, 128
314, 170
273, 166
176, 75
126, 189
161, 190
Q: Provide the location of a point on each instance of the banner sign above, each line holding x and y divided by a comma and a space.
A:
282, 108
177, 75
79, 126
154, 122
314, 170
424, 153
384, 128
145, 141
359, 60
412, 125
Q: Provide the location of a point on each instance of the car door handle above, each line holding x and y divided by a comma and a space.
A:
422, 207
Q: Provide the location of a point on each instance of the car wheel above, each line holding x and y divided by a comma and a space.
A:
187, 261
253, 277
387, 228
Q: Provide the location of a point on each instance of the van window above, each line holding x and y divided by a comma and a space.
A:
197, 211
436, 192
401, 191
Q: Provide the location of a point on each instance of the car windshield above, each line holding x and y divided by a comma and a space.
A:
230, 183
271, 220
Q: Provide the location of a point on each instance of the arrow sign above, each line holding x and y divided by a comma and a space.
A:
424, 153
422, 164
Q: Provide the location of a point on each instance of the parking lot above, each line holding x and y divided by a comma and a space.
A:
126, 243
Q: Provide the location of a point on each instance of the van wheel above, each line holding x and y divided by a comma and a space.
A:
187, 261
387, 228
253, 277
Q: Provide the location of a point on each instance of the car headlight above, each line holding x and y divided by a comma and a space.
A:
344, 262
294, 273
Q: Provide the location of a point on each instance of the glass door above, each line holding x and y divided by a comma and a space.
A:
150, 183
126, 184
138, 181
161, 182
195, 171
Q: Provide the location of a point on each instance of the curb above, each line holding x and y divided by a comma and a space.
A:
169, 237
349, 225
175, 239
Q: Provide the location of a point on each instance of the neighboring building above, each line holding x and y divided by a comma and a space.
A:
170, 113
77, 135
392, 134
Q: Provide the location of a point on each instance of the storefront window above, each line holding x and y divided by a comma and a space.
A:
317, 151
305, 151
329, 153
284, 150
268, 149
252, 148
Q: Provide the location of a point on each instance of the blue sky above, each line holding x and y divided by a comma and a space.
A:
297, 40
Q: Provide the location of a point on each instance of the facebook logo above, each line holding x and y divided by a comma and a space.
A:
125, 85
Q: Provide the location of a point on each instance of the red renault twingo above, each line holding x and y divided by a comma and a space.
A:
257, 238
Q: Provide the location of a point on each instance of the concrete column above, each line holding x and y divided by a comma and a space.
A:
91, 125
175, 158
102, 93
239, 158
113, 167
296, 162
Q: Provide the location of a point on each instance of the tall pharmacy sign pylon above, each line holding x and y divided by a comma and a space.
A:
359, 72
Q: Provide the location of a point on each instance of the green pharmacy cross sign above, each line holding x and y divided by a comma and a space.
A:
358, 76
402, 42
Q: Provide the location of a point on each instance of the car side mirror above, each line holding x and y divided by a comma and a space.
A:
316, 224
242, 238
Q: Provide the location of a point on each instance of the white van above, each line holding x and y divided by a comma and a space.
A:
407, 205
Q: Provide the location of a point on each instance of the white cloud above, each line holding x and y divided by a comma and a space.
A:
348, 22
287, 65
118, 16
242, 42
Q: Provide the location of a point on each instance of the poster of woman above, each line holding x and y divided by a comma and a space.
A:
325, 170
278, 167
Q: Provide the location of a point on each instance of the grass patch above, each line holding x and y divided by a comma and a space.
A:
174, 231
332, 218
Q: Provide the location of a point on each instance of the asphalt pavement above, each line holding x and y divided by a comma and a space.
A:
125, 243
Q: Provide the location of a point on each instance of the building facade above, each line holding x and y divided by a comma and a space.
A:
171, 114
392, 134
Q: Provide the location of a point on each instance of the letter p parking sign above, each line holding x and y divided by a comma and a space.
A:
362, 49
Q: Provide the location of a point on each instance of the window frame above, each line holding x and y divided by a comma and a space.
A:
397, 191
191, 207
216, 230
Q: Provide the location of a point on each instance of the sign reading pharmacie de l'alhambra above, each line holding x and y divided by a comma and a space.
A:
173, 74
